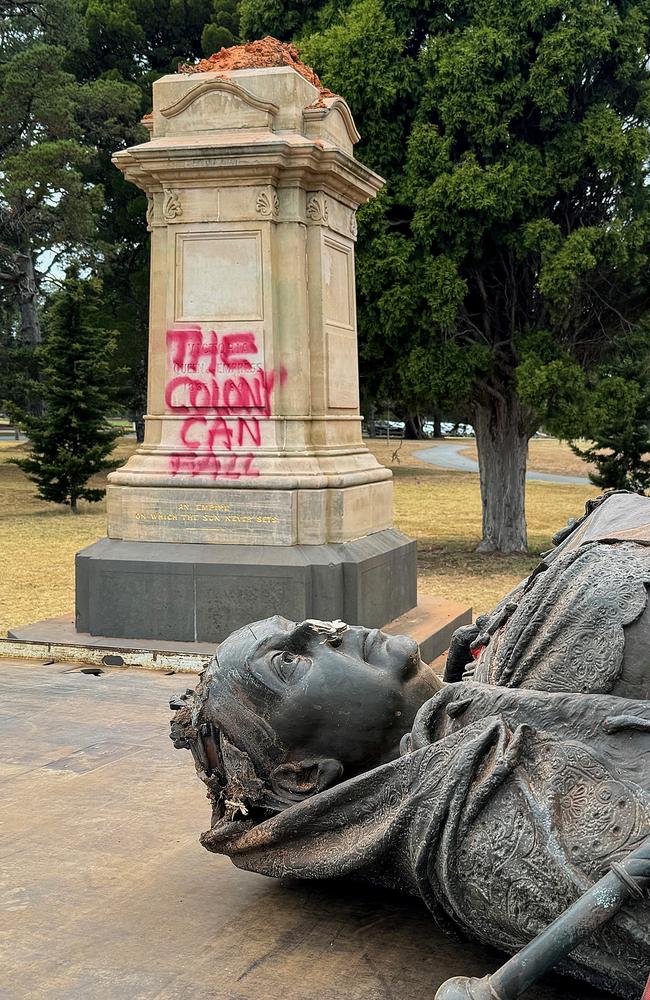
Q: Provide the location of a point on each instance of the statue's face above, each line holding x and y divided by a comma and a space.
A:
350, 697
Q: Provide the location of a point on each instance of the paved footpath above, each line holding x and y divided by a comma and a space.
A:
447, 455
106, 894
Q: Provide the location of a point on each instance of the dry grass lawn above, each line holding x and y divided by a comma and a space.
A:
442, 510
548, 455
38, 542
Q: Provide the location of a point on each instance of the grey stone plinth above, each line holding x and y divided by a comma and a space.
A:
203, 592
431, 624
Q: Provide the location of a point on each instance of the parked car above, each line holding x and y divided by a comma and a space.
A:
393, 427
447, 428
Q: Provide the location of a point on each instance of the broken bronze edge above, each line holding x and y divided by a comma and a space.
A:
201, 738
233, 813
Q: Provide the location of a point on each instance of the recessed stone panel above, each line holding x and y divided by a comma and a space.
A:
337, 284
233, 517
219, 276
215, 105
342, 369
339, 320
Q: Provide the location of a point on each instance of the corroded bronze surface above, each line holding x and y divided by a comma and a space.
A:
499, 802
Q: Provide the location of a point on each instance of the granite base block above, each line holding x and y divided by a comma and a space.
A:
202, 592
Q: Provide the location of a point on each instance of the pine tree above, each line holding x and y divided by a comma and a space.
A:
621, 430
72, 441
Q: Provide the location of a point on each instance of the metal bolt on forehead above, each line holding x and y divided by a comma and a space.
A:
331, 630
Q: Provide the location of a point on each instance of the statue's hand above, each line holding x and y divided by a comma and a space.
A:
460, 654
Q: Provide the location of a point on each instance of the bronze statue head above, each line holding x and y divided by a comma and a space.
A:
288, 709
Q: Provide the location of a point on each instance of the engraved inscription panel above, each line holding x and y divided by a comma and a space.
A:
219, 276
246, 517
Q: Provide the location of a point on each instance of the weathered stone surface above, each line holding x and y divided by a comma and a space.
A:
253, 491
248, 517
253, 379
200, 592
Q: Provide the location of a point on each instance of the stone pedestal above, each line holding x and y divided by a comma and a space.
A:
253, 492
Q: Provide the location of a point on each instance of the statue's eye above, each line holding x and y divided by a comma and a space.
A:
288, 665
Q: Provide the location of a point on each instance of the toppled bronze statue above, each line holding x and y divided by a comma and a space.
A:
581, 621
500, 799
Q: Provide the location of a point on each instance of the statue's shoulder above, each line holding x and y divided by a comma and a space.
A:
616, 516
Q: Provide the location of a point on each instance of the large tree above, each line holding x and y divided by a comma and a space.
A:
52, 127
133, 43
75, 79
510, 245
49, 126
619, 430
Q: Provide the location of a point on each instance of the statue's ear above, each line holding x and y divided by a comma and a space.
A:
296, 780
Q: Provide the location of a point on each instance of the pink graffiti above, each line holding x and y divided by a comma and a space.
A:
231, 467
244, 394
224, 398
188, 346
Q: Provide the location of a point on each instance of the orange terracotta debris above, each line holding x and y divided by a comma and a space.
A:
265, 53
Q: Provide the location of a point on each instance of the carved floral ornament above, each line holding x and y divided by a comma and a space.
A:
172, 207
267, 205
150, 211
353, 224
317, 209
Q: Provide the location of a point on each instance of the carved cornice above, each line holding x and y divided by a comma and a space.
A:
157, 165
218, 86
312, 114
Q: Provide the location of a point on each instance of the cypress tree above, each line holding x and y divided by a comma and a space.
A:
72, 440
507, 257
620, 429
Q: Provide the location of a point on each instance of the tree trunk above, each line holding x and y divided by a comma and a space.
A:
502, 437
138, 423
413, 427
370, 423
437, 426
27, 292
30, 326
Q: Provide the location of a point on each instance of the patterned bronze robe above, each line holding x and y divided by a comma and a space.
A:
505, 806
581, 621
